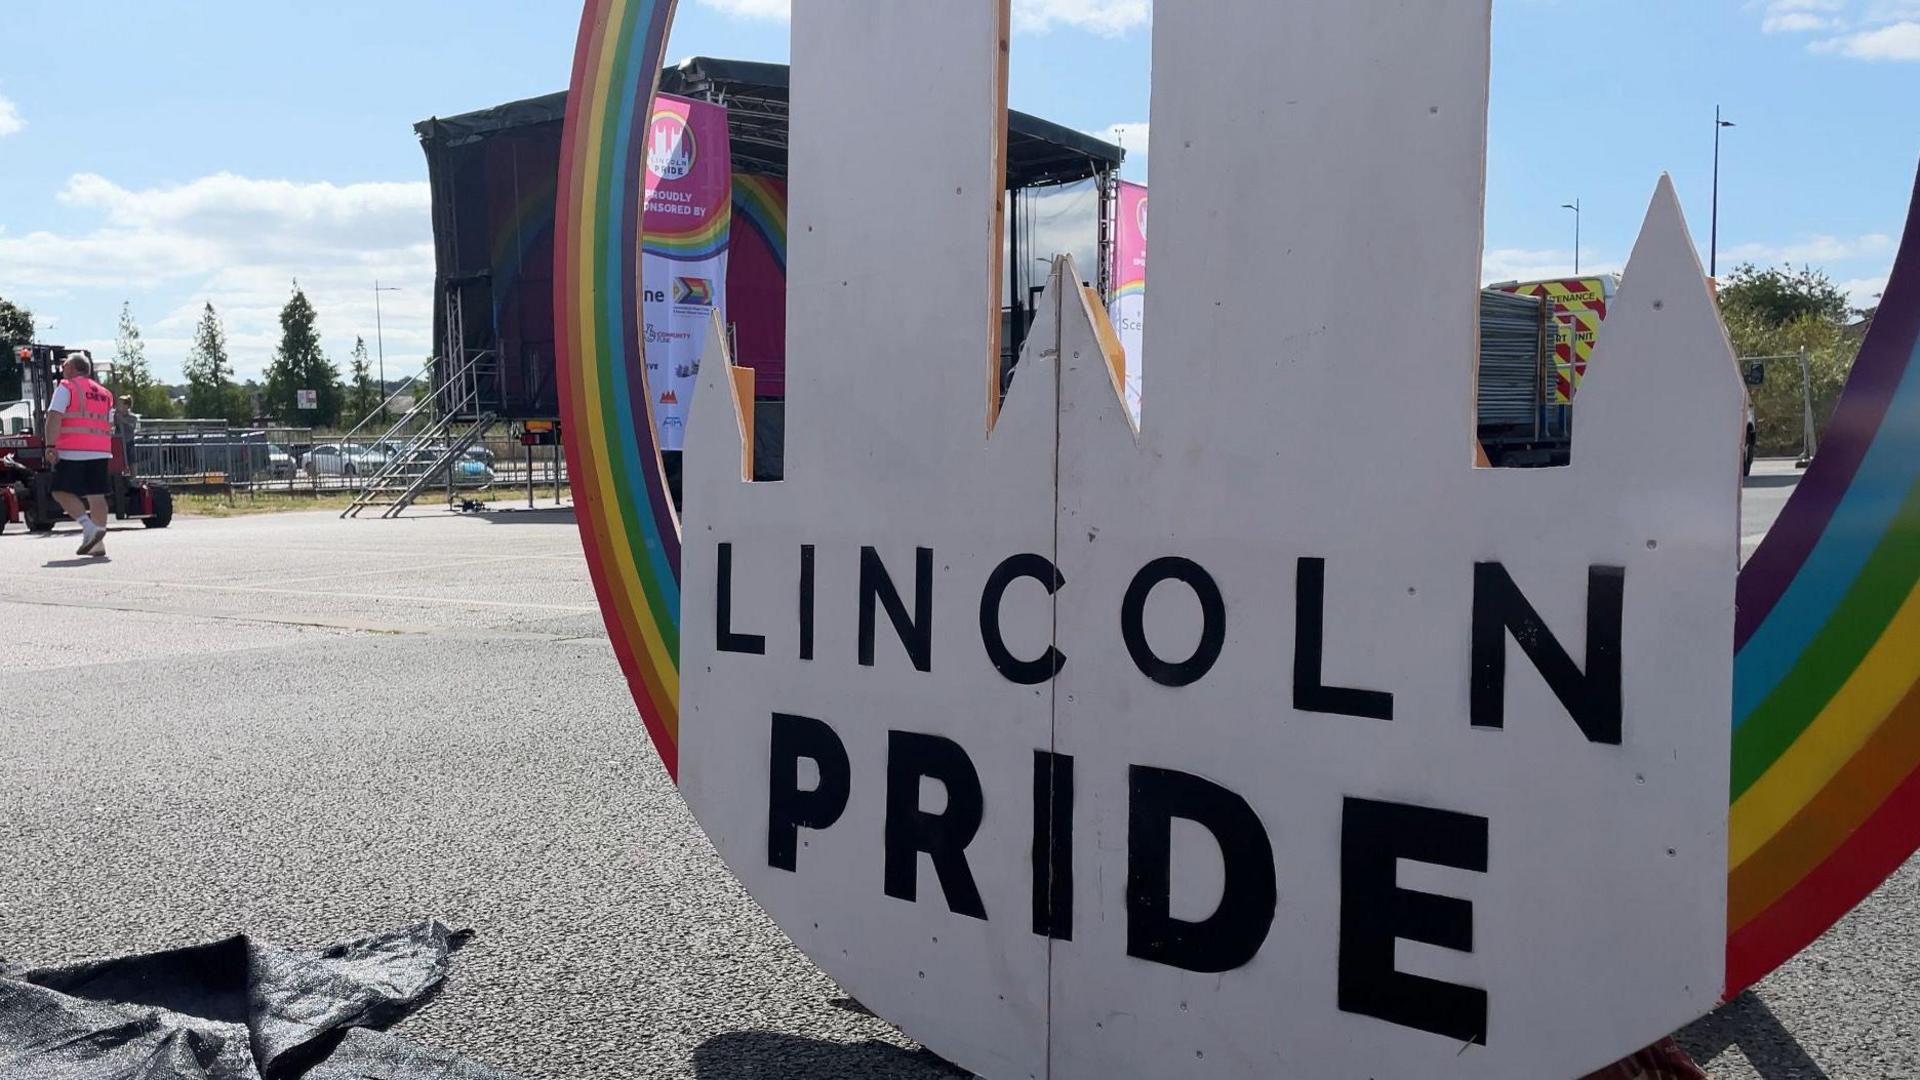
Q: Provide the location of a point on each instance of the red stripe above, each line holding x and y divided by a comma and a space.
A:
576, 423
1823, 897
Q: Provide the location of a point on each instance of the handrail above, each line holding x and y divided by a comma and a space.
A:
424, 405
424, 369
463, 382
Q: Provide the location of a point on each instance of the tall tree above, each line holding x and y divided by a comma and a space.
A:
211, 393
1782, 296
300, 364
362, 396
1779, 313
132, 379
16, 329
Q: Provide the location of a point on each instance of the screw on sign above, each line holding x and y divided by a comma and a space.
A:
1084, 750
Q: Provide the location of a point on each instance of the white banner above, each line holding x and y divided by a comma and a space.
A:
683, 260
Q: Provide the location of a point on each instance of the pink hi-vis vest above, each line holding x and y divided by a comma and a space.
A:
87, 425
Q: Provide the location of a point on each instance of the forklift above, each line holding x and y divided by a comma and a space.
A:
26, 480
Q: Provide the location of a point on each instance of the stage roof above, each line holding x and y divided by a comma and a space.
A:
1039, 152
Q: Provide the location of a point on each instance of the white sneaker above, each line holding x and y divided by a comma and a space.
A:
91, 536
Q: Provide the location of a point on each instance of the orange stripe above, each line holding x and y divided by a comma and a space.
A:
647, 682
599, 505
1886, 760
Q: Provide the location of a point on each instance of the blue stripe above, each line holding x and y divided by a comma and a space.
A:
637, 503
1886, 477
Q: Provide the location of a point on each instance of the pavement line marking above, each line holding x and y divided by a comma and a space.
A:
312, 622
571, 609
254, 549
476, 561
357, 626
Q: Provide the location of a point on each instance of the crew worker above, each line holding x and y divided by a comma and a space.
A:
79, 446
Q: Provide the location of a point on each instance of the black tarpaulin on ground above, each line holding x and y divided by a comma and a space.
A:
233, 1010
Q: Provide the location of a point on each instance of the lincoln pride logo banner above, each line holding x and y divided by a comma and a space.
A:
688, 221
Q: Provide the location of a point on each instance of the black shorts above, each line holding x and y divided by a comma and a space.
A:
81, 478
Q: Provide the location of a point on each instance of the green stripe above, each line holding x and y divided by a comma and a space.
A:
1836, 653
633, 516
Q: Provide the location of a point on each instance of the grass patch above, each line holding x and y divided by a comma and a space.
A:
199, 504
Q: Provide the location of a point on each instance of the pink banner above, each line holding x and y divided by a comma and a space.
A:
689, 179
688, 222
1129, 307
757, 280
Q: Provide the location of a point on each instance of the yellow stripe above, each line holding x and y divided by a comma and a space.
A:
619, 529
1879, 684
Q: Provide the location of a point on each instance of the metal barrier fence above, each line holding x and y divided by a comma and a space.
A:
513, 466
193, 455
216, 457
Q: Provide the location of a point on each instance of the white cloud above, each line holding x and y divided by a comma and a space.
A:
1034, 16
1794, 22
1864, 292
1132, 137
1522, 264
1799, 16
751, 9
10, 119
1873, 30
1897, 41
239, 243
1100, 16
1812, 250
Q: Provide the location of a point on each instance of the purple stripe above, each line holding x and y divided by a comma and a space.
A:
1876, 374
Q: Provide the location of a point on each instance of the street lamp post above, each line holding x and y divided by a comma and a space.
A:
1575, 207
380, 336
1713, 245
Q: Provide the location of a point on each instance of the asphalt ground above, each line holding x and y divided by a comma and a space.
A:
309, 729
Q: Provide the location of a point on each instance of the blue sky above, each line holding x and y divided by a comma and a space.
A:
169, 160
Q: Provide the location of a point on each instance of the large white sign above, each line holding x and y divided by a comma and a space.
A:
1275, 739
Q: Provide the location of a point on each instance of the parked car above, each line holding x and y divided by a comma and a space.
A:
280, 463
473, 468
333, 459
472, 472
378, 454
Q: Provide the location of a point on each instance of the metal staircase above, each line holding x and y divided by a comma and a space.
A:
445, 424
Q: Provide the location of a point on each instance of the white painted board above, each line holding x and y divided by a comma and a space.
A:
1288, 445
889, 341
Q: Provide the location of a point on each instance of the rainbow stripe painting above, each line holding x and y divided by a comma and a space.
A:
1826, 728
1826, 725
762, 202
627, 522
